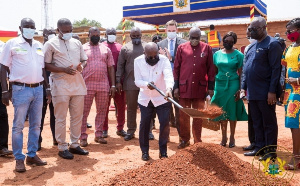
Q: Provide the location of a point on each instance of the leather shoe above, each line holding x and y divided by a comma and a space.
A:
5, 152
20, 166
250, 147
83, 143
66, 154
183, 144
105, 134
35, 160
272, 156
100, 140
252, 153
79, 151
145, 156
121, 133
151, 136
89, 125
129, 137
163, 155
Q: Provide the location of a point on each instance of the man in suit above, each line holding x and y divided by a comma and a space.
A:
125, 68
261, 80
169, 47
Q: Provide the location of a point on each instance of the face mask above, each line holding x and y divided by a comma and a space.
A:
51, 36
251, 40
293, 36
111, 38
152, 61
136, 41
95, 39
66, 36
28, 33
171, 35
228, 46
194, 42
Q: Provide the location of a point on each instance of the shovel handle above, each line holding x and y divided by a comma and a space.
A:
164, 95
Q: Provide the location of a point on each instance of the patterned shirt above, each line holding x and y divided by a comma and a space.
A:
95, 73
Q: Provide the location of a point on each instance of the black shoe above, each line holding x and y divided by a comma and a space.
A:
151, 136
39, 147
250, 147
79, 151
129, 137
163, 155
89, 125
121, 133
145, 156
66, 154
272, 156
172, 124
5, 152
183, 144
55, 142
252, 153
105, 134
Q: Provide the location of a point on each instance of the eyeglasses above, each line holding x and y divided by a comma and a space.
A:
254, 29
290, 31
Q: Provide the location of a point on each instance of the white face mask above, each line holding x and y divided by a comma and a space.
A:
251, 40
51, 36
111, 38
28, 33
171, 35
66, 36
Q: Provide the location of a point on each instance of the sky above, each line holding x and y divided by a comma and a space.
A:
107, 12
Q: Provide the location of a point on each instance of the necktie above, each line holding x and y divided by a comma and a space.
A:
171, 47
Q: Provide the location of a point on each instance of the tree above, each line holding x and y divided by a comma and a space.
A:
128, 25
86, 22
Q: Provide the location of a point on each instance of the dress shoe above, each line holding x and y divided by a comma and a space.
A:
5, 152
129, 137
231, 144
66, 154
55, 142
100, 140
20, 166
78, 150
105, 134
35, 160
39, 147
89, 125
252, 153
145, 156
250, 147
151, 136
272, 156
83, 143
163, 155
183, 144
121, 133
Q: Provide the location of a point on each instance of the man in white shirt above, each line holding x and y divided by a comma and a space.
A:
154, 68
23, 58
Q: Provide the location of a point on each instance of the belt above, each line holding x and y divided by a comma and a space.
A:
28, 85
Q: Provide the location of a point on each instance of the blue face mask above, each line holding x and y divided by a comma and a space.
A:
28, 33
66, 36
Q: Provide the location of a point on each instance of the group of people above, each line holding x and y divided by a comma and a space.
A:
67, 75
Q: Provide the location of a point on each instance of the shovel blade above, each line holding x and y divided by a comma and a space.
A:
194, 113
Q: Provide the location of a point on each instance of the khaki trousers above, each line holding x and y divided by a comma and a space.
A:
61, 105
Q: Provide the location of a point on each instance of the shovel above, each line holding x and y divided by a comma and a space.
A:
194, 113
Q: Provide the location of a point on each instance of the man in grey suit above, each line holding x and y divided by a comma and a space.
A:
169, 47
125, 69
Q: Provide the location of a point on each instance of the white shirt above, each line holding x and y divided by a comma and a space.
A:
161, 74
1, 46
24, 61
169, 44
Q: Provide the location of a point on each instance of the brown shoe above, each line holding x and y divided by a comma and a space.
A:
183, 144
35, 160
100, 140
83, 143
20, 166
5, 152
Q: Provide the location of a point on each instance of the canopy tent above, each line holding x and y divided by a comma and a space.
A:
7, 35
194, 10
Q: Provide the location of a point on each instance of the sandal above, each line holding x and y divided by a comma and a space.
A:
231, 145
223, 143
292, 166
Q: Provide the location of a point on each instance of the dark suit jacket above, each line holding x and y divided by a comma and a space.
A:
164, 44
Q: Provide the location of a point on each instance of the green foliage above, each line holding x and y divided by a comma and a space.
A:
86, 22
128, 25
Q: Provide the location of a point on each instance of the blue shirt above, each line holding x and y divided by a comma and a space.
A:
261, 72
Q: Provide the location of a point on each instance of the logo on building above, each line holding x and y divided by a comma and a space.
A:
181, 3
